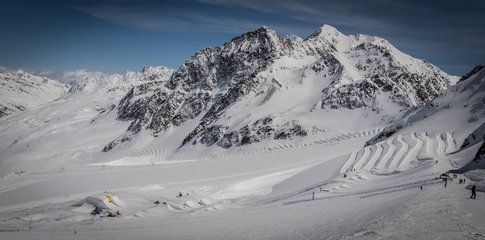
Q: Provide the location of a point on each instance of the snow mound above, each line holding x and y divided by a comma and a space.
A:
109, 202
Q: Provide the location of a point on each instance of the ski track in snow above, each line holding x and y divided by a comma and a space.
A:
395, 155
383, 163
401, 153
451, 143
377, 154
440, 145
412, 155
373, 192
398, 153
154, 154
365, 155
291, 146
428, 151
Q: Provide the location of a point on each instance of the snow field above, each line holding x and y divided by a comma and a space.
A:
400, 153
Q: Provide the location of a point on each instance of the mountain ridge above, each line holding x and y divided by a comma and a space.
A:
20, 90
352, 72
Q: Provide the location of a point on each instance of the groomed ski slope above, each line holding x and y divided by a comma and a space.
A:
272, 193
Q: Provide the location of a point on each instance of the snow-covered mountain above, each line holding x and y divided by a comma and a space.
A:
460, 111
103, 83
262, 86
81, 121
70, 76
20, 90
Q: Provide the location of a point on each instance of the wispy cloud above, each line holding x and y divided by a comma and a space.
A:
424, 28
213, 17
70, 76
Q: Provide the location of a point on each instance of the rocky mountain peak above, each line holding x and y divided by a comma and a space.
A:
260, 41
326, 31
257, 68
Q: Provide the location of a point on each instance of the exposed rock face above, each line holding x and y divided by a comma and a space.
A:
473, 71
474, 137
480, 155
216, 77
352, 71
255, 132
468, 95
20, 90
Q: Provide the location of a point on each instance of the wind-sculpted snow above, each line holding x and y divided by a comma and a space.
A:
260, 69
400, 153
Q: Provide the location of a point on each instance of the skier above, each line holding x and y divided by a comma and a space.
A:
96, 211
474, 193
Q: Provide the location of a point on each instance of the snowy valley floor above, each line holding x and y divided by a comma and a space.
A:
260, 195
434, 213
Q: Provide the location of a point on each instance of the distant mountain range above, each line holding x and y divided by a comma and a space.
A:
20, 90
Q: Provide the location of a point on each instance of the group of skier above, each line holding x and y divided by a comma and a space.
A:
445, 178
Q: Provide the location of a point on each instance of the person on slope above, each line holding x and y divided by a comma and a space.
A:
474, 193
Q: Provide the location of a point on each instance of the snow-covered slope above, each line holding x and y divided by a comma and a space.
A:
105, 83
275, 92
20, 90
457, 118
71, 129
327, 188
260, 86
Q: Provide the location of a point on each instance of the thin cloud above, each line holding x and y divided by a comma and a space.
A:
173, 19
